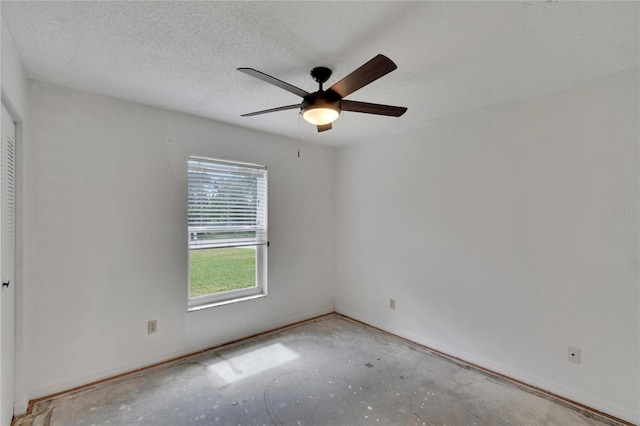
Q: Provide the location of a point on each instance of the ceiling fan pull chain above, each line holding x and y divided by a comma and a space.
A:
298, 135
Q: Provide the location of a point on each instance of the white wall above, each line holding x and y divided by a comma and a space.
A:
489, 229
14, 80
491, 232
109, 236
15, 98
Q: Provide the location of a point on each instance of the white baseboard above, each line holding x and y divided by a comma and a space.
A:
20, 406
532, 380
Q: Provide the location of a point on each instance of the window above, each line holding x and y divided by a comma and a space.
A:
227, 232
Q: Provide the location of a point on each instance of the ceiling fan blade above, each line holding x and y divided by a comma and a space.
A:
367, 108
272, 80
369, 72
265, 111
324, 127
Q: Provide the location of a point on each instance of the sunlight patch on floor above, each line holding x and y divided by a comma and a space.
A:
246, 365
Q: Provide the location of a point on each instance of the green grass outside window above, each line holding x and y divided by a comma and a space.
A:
222, 269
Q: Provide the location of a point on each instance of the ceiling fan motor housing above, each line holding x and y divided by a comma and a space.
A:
321, 100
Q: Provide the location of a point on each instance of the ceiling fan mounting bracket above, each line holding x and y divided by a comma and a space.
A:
321, 74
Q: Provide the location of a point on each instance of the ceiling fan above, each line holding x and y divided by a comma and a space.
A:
324, 106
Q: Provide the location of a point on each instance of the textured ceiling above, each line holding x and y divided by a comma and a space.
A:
452, 56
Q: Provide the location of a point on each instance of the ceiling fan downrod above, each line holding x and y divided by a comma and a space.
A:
321, 74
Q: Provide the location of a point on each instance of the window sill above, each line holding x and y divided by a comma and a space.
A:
225, 302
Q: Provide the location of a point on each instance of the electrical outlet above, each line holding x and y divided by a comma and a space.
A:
392, 303
152, 327
573, 354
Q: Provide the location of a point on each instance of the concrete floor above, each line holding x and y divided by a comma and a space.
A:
329, 371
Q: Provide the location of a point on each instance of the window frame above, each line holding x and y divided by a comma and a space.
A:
232, 296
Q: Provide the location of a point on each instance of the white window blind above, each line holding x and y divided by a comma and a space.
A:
227, 204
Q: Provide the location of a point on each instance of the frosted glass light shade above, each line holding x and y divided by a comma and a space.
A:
320, 116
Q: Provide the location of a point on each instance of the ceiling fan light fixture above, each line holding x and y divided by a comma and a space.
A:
320, 111
320, 115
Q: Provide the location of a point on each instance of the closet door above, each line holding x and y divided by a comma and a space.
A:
7, 263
